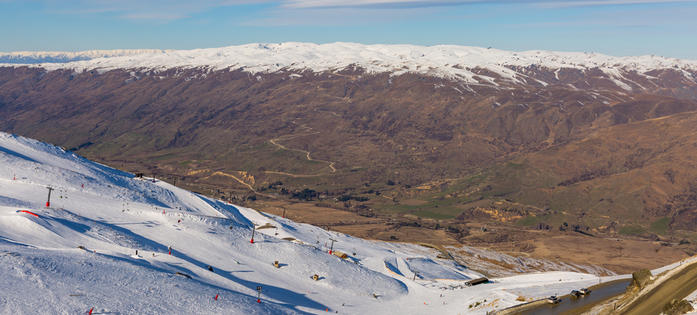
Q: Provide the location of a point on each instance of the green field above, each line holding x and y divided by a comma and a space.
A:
530, 220
660, 226
432, 215
632, 229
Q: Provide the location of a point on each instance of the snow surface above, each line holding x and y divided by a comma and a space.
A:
483, 259
461, 63
28, 57
115, 214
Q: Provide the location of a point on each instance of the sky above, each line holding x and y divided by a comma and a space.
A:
613, 27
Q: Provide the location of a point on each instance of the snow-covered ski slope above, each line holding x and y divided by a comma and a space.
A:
111, 214
461, 63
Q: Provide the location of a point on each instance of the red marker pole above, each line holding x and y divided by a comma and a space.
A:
254, 229
216, 297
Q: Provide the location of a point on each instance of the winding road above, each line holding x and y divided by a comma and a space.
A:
309, 158
569, 305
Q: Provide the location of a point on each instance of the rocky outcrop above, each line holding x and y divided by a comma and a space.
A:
640, 280
676, 307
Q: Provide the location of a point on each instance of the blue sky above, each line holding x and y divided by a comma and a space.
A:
614, 27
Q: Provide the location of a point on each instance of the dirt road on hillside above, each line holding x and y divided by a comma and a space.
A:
677, 287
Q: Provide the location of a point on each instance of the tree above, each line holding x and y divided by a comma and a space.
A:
305, 194
564, 226
275, 184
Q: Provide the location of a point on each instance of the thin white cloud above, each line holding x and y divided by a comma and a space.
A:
336, 16
284, 12
356, 12
154, 16
306, 4
141, 9
560, 4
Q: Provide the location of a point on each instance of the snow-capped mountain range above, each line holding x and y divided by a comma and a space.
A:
31, 57
460, 63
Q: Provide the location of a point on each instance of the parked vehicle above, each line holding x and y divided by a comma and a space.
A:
553, 299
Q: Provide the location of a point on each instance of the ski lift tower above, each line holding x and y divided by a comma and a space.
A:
259, 296
331, 248
48, 202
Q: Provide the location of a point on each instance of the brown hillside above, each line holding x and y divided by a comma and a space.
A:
580, 150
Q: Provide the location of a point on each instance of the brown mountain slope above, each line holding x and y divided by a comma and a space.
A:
636, 173
580, 151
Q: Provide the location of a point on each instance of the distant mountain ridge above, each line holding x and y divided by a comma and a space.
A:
582, 138
34, 57
467, 64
